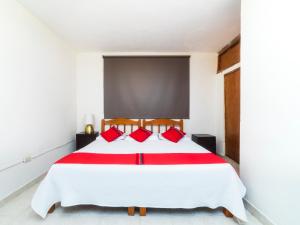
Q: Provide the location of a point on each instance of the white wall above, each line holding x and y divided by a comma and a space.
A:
203, 89
37, 95
270, 108
89, 88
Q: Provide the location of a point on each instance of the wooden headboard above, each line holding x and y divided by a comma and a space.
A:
120, 122
162, 122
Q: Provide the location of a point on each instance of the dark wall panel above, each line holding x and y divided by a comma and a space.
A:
146, 87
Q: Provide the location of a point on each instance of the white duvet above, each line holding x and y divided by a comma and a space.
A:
157, 186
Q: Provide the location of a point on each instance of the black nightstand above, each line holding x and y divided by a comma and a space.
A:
83, 139
206, 141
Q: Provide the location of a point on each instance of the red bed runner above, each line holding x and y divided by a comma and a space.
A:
181, 158
141, 158
97, 158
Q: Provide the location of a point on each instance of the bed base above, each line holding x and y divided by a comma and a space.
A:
143, 211
51, 210
227, 213
131, 211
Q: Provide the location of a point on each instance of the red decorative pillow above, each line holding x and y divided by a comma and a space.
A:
111, 134
173, 134
140, 134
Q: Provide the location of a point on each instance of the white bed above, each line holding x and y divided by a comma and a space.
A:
157, 186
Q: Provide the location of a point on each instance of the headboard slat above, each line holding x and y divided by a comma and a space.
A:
163, 122
155, 122
120, 122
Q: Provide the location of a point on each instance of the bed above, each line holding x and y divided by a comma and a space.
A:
143, 186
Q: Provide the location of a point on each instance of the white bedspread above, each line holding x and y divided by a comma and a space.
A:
157, 186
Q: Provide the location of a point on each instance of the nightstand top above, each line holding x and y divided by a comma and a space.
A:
203, 135
82, 133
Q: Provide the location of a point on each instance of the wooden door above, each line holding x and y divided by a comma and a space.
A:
232, 114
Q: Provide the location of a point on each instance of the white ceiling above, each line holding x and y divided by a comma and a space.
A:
141, 25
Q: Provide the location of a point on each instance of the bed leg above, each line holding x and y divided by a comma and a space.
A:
227, 213
131, 211
51, 210
143, 211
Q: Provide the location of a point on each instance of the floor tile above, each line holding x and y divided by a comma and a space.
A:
18, 211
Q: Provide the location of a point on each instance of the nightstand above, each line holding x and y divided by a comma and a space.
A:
206, 141
83, 139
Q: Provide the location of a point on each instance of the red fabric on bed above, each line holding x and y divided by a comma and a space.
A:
111, 134
95, 158
173, 134
141, 134
180, 158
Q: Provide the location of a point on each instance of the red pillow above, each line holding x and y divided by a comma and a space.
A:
140, 134
173, 134
111, 134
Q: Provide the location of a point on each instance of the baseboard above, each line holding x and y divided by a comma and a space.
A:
29, 171
22, 189
257, 213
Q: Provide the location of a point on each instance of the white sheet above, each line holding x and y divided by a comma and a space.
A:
157, 186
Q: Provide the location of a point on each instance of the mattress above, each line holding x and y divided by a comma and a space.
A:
157, 186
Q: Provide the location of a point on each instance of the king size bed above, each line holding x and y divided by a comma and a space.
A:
151, 174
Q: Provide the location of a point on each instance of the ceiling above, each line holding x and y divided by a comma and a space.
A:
141, 25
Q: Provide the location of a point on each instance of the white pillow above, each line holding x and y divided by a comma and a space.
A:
121, 138
153, 137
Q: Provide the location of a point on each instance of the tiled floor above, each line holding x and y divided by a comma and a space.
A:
17, 211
